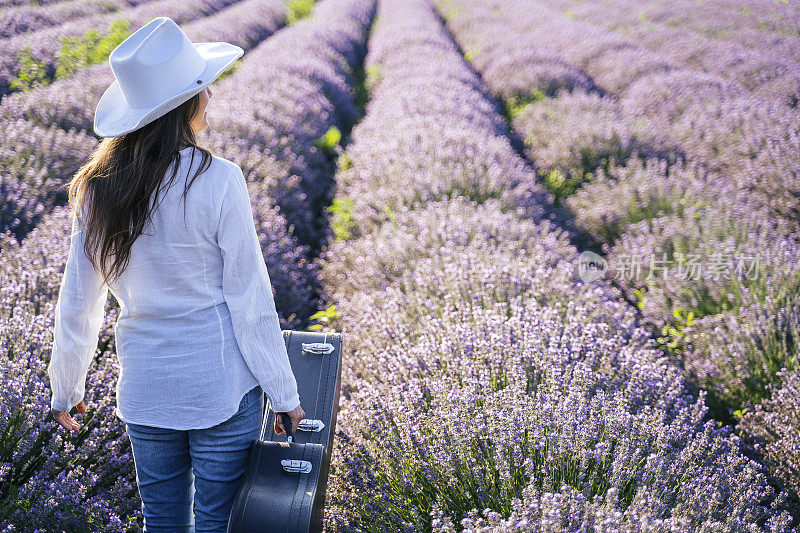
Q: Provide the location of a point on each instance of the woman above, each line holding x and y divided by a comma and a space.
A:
198, 337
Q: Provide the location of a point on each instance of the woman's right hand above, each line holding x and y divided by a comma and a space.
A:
296, 415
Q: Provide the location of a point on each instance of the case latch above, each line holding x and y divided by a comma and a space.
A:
318, 348
296, 465
308, 424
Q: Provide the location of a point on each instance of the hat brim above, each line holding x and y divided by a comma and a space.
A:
114, 117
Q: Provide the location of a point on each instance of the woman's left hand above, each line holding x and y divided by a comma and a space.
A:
63, 418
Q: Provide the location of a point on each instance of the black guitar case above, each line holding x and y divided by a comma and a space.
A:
287, 475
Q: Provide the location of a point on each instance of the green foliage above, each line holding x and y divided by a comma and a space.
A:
389, 212
343, 222
515, 104
569, 173
673, 334
446, 10
360, 88
560, 184
374, 26
324, 317
765, 352
470, 53
626, 30
639, 293
89, 49
638, 210
109, 6
329, 140
373, 77
344, 162
601, 156
450, 13
298, 10
230, 70
31, 74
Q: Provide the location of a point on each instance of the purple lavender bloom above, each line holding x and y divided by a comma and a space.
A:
102, 477
43, 45
35, 162
25, 19
761, 69
481, 371
64, 102
663, 150
775, 425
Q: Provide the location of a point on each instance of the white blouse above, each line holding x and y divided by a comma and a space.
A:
197, 327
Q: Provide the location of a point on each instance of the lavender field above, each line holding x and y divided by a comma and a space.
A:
560, 238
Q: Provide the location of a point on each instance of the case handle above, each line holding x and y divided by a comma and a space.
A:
287, 426
293, 465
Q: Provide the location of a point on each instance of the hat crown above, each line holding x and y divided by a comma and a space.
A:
155, 62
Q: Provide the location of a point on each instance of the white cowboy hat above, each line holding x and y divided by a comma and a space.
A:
157, 68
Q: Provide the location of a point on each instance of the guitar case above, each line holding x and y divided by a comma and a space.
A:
286, 475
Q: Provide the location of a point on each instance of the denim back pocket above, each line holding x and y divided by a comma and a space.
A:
249, 398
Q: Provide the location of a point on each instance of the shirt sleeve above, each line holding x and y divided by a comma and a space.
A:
78, 317
248, 294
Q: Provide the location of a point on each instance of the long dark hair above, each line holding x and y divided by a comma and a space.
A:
118, 182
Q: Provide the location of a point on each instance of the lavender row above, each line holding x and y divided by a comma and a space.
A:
738, 263
22, 19
406, 181
300, 97
45, 44
39, 156
573, 130
63, 102
479, 365
40, 494
741, 339
776, 425
599, 128
749, 140
569, 127
758, 70
11, 3
755, 25
101, 473
643, 209
761, 162
732, 314
37, 163
29, 296
577, 133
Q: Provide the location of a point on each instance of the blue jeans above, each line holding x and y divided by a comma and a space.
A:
188, 478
